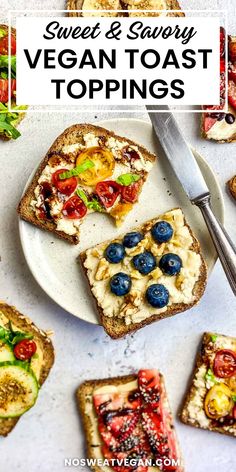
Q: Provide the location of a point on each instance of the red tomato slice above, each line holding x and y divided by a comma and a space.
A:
74, 208
232, 51
4, 89
108, 191
232, 72
65, 186
130, 193
25, 349
4, 45
225, 363
232, 94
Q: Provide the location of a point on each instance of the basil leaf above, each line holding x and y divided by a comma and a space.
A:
127, 179
234, 398
213, 338
91, 204
77, 170
210, 376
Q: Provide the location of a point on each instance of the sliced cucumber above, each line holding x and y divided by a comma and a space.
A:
6, 353
18, 389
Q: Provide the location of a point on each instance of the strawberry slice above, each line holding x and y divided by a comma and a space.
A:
232, 93
149, 386
115, 401
232, 50
208, 123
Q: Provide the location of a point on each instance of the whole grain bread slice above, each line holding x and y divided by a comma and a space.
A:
116, 328
71, 135
84, 396
78, 5
192, 389
21, 115
232, 186
24, 323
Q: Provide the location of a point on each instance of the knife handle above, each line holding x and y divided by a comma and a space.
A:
223, 244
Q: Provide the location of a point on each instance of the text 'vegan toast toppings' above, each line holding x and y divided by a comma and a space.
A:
88, 169
26, 357
211, 401
147, 274
128, 419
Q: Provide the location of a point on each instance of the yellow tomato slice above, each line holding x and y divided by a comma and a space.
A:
218, 401
103, 161
232, 384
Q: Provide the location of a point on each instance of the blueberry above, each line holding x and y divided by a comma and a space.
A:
157, 295
162, 232
230, 118
114, 253
144, 262
120, 284
170, 264
132, 239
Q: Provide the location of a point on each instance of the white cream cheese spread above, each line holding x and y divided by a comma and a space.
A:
134, 308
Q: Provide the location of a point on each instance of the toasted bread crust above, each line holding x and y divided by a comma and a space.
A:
25, 324
183, 413
116, 328
78, 5
232, 186
3, 136
68, 137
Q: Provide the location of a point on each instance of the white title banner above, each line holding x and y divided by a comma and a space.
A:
121, 61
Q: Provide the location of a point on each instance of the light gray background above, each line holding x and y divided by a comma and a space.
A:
51, 431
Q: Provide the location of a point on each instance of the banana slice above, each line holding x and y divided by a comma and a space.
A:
101, 5
147, 5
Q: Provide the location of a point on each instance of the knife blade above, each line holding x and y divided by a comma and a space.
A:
178, 152
188, 173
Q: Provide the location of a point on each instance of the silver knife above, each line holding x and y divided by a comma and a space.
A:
188, 173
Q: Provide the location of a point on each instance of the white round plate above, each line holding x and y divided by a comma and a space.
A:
54, 263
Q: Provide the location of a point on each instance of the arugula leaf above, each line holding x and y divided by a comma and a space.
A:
214, 338
127, 179
91, 204
4, 61
11, 130
13, 337
210, 376
77, 170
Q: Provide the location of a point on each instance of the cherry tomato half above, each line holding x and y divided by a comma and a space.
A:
108, 192
103, 161
218, 401
225, 363
25, 349
130, 193
4, 89
4, 45
74, 208
65, 186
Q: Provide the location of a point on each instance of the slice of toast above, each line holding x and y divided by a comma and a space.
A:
122, 315
204, 387
63, 154
216, 126
113, 386
4, 136
122, 5
44, 347
232, 186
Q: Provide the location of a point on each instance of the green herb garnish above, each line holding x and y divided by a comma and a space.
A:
90, 204
13, 337
4, 61
77, 170
127, 179
210, 376
214, 338
8, 120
